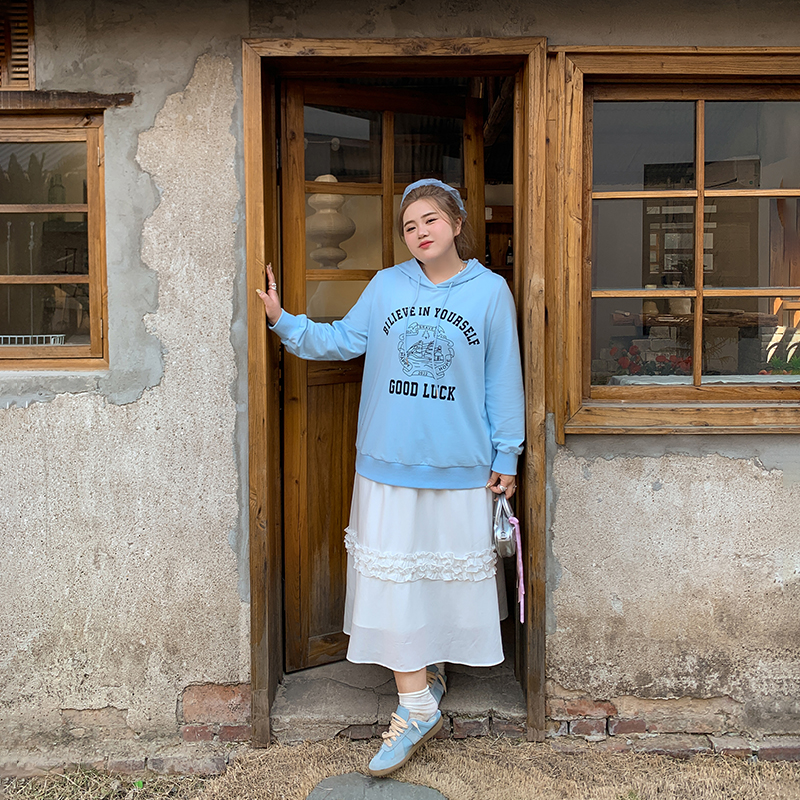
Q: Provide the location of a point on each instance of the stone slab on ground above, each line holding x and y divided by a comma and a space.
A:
354, 786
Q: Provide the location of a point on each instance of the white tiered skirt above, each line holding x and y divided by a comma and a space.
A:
423, 583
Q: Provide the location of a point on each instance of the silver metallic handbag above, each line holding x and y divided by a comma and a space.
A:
504, 534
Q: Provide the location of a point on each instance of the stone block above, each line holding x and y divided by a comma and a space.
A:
462, 728
662, 345
125, 766
625, 727
187, 764
682, 745
556, 727
211, 702
197, 733
662, 332
235, 733
592, 729
780, 748
614, 745
736, 746
508, 730
357, 732
578, 707
446, 731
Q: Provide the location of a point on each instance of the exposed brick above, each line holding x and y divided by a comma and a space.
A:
446, 731
188, 764
509, 730
780, 748
197, 733
592, 729
736, 746
681, 745
556, 727
578, 707
212, 702
462, 728
241, 733
98, 723
125, 766
682, 715
624, 727
614, 745
353, 732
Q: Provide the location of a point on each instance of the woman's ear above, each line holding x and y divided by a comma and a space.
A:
457, 228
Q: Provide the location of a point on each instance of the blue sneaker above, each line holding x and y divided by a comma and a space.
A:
437, 683
402, 740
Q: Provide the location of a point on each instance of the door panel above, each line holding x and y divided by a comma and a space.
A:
337, 233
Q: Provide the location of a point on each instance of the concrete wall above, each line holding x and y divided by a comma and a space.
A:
124, 504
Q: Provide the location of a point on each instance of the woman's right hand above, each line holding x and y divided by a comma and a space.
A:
272, 303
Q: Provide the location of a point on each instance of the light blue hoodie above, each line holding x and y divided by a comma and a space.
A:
441, 398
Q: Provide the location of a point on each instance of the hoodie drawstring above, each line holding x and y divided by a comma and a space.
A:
414, 302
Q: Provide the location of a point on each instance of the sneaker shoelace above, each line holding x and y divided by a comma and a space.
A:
396, 728
434, 677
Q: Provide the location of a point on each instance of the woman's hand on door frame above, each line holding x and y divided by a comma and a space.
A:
502, 484
272, 303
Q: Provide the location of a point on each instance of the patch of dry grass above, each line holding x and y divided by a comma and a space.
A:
85, 784
496, 769
506, 770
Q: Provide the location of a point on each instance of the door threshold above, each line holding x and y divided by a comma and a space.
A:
357, 700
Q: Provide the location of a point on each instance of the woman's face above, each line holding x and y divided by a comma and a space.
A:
427, 230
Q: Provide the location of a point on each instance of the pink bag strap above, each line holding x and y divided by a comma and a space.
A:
520, 576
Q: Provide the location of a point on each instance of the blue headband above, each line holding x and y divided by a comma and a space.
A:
454, 193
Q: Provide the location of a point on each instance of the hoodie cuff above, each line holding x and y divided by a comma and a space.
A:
284, 324
505, 463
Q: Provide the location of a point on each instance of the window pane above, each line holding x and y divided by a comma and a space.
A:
642, 243
327, 301
752, 242
643, 146
753, 336
42, 172
44, 244
401, 251
343, 231
343, 142
751, 145
44, 314
638, 341
428, 147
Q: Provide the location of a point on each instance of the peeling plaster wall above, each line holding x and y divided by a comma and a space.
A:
122, 516
677, 575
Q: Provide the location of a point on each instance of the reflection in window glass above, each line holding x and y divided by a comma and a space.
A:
752, 336
642, 340
343, 231
43, 172
327, 301
643, 145
752, 145
44, 244
343, 142
752, 242
44, 314
642, 243
428, 147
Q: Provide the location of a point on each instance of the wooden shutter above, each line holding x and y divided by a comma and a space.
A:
16, 44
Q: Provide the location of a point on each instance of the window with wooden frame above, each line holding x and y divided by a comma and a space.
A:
16, 45
683, 288
52, 241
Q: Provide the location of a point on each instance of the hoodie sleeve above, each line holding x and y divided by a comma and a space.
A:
327, 341
505, 402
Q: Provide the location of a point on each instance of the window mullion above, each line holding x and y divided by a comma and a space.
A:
699, 240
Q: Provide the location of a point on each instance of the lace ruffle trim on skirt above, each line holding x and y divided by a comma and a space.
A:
477, 565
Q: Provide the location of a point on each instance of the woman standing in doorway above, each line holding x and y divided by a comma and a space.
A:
440, 422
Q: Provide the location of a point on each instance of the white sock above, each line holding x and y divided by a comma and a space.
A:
421, 705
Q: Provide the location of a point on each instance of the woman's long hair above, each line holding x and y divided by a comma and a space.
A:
445, 202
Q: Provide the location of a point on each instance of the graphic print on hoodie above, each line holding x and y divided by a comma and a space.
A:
441, 398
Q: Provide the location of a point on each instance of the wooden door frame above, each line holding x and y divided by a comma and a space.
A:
526, 58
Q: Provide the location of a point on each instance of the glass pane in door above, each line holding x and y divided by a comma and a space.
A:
342, 142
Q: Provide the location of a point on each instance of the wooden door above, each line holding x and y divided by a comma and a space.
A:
337, 232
